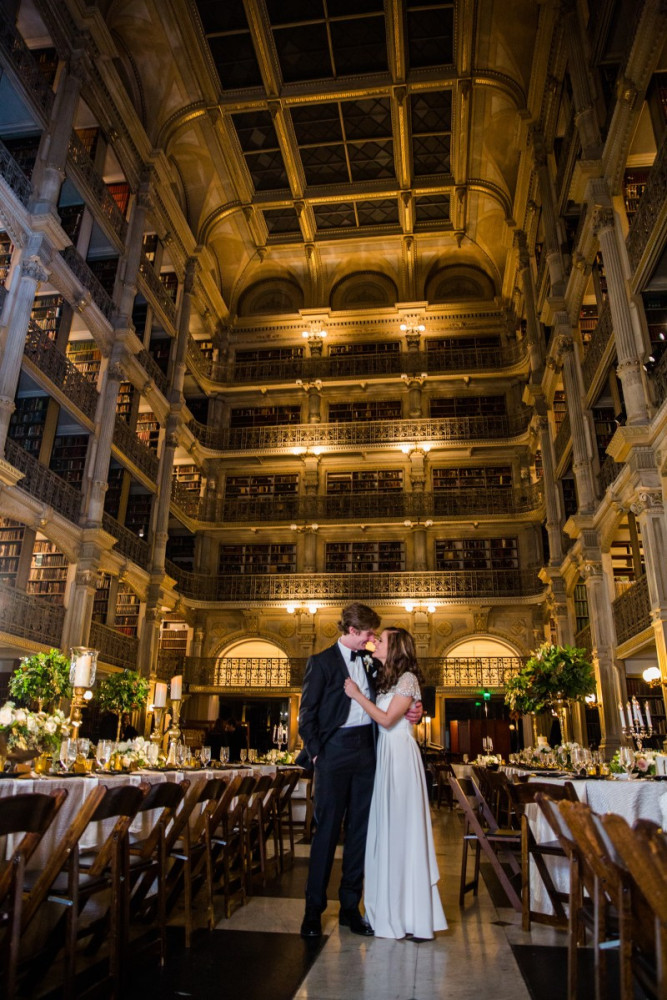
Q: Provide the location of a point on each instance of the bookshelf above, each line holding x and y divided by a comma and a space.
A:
655, 307
104, 269
169, 280
588, 320
468, 406
138, 516
357, 350
181, 550
6, 250
114, 491
148, 429
26, 425
365, 409
47, 60
86, 356
88, 137
269, 354
124, 400
47, 313
570, 502
11, 540
174, 638
120, 192
127, 610
476, 553
605, 423
264, 416
634, 183
581, 606
160, 349
472, 478
101, 599
639, 689
559, 407
150, 245
252, 487
365, 557
269, 558
48, 572
599, 279
465, 344
68, 458
367, 481
657, 103
188, 477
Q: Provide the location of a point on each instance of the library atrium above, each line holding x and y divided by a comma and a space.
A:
376, 296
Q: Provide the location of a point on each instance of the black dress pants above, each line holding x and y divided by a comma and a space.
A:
344, 775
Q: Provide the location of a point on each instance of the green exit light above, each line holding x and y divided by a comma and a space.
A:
478, 704
486, 695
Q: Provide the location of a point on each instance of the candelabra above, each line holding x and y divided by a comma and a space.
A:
636, 727
280, 735
158, 722
83, 667
174, 734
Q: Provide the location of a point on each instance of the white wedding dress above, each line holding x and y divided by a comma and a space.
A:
400, 891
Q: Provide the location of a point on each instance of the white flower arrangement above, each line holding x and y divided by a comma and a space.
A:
485, 759
273, 757
130, 755
39, 731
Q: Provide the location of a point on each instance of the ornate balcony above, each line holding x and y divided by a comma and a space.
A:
80, 269
115, 648
609, 471
30, 617
44, 484
341, 436
152, 368
584, 640
242, 673
632, 611
94, 185
14, 176
597, 346
332, 588
156, 290
24, 65
42, 351
651, 208
660, 380
129, 444
390, 506
190, 503
127, 543
562, 438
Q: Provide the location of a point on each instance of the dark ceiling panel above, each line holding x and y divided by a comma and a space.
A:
255, 131
431, 36
431, 111
267, 170
340, 216
371, 160
325, 165
235, 60
290, 11
315, 123
303, 51
432, 208
430, 155
382, 212
282, 221
344, 8
369, 119
227, 16
359, 45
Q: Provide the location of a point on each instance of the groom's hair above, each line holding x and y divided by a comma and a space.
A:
358, 616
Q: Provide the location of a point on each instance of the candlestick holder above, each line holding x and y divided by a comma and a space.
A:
636, 727
280, 736
75, 717
638, 733
174, 734
158, 723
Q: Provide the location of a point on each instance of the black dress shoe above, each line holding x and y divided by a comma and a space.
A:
357, 924
311, 926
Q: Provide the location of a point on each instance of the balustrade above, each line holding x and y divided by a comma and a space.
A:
50, 360
115, 648
562, 438
584, 640
152, 368
188, 502
24, 64
651, 207
354, 434
80, 269
157, 291
41, 482
127, 441
632, 611
90, 179
337, 587
568, 151
127, 543
14, 176
30, 617
597, 346
609, 470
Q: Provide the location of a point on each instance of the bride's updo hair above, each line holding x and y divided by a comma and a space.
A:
401, 657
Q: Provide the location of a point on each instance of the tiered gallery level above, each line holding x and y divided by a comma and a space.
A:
383, 326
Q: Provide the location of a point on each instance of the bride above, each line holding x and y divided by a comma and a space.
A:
401, 893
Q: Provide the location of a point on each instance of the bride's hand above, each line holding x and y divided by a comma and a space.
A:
351, 689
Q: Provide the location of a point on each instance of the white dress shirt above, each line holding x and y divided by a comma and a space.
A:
357, 715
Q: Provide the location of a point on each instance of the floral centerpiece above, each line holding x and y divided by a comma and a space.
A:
41, 679
275, 757
123, 692
551, 674
643, 762
27, 733
489, 760
130, 755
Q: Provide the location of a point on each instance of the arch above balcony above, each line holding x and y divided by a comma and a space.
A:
364, 290
459, 283
270, 296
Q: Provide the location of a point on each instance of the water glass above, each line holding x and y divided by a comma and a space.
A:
243, 754
103, 752
252, 756
205, 756
224, 755
83, 747
68, 753
152, 753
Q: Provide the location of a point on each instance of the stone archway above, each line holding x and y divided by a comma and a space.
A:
252, 663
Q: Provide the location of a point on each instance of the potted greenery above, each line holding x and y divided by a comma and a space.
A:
124, 692
551, 678
42, 678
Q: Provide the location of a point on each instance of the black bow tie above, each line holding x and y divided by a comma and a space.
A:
354, 653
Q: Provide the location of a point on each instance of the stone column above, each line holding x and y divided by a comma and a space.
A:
649, 510
310, 549
24, 287
582, 459
133, 251
79, 613
549, 219
149, 641
105, 422
585, 117
183, 334
629, 366
49, 172
419, 546
603, 634
417, 470
534, 338
160, 512
553, 521
312, 390
414, 385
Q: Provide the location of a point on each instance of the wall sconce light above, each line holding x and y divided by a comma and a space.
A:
410, 606
652, 676
412, 328
290, 609
312, 608
591, 699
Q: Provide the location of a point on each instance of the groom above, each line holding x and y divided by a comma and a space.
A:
339, 739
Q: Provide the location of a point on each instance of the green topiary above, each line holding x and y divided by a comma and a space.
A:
124, 692
42, 678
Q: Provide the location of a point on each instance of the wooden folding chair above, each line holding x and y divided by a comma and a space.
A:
30, 815
228, 842
482, 830
253, 830
285, 813
522, 796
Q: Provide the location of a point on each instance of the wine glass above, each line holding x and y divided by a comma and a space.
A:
205, 756
68, 753
252, 756
627, 760
243, 754
224, 755
103, 753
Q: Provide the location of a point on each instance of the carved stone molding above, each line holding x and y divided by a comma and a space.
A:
603, 218
647, 501
34, 268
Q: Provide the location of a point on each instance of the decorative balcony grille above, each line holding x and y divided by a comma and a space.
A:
332, 588
42, 351
584, 640
156, 290
597, 346
609, 470
30, 617
128, 442
372, 432
115, 648
651, 207
197, 360
152, 368
24, 65
568, 153
44, 484
632, 611
127, 543
80, 269
562, 438
189, 502
14, 176
88, 175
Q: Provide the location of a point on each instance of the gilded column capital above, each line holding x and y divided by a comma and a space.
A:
647, 501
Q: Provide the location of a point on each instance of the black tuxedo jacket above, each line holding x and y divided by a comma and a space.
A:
324, 704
